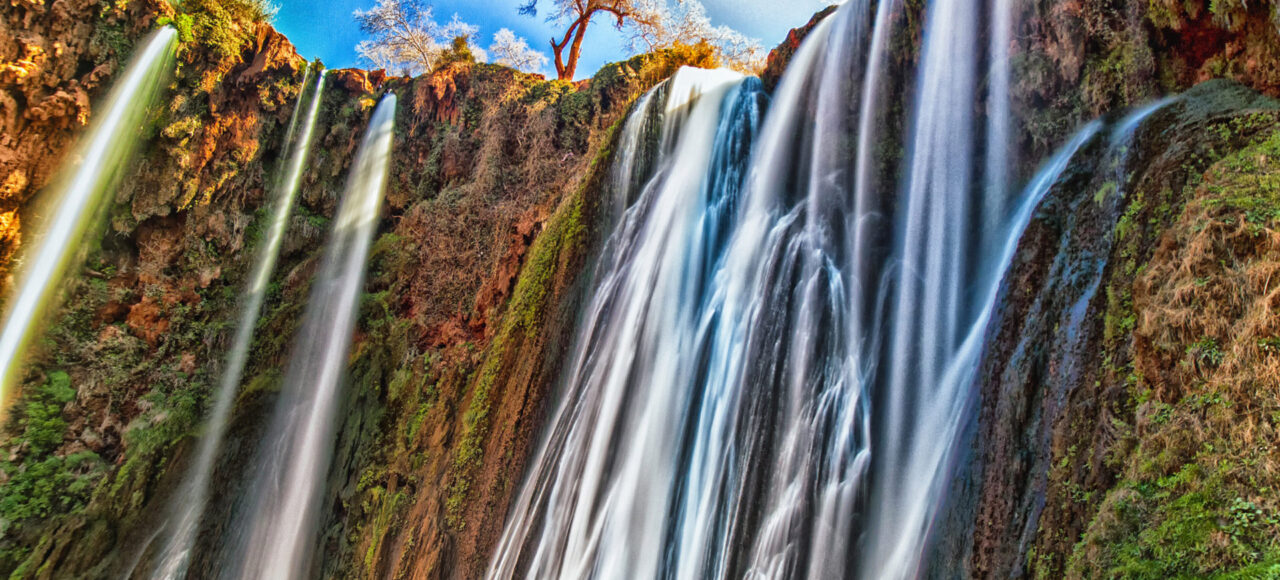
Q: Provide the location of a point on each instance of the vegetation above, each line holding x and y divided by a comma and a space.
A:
687, 24
577, 15
510, 50
221, 26
653, 25
42, 483
1197, 495
407, 40
563, 239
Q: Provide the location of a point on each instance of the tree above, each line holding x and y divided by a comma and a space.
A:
511, 50
687, 24
577, 14
406, 38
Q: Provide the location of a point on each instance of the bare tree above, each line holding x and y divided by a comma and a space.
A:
406, 39
686, 23
577, 14
511, 50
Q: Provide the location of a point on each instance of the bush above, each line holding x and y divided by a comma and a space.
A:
459, 51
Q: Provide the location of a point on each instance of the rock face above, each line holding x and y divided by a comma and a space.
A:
1075, 444
1075, 61
55, 60
781, 56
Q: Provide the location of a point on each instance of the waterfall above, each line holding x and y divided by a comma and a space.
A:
76, 202
188, 506
918, 401
291, 471
780, 348
999, 158
587, 511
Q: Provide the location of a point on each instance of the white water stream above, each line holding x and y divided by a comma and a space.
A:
292, 469
189, 505
74, 204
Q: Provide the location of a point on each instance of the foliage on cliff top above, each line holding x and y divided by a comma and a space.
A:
221, 26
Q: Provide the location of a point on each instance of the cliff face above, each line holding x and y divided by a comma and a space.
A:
1075, 61
490, 221
487, 226
1123, 413
1112, 436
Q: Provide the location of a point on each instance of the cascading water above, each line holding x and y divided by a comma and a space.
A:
292, 468
785, 403
189, 504
1000, 163
76, 203
585, 513
919, 399
1078, 270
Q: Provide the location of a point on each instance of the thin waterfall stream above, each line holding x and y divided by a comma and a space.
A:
291, 469
75, 204
189, 504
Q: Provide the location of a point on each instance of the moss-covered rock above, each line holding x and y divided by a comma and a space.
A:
1089, 448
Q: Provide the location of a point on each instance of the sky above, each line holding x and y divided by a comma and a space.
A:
325, 29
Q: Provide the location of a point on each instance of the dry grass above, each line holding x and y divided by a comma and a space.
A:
1199, 496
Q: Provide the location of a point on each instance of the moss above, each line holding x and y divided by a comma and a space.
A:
1187, 525
564, 237
389, 509
42, 483
110, 41
221, 26
1196, 495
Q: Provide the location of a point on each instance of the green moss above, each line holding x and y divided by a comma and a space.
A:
389, 510
183, 24
1108, 189
222, 26
41, 483
1193, 499
1190, 524
564, 237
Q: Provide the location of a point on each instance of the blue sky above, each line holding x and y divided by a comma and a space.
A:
325, 28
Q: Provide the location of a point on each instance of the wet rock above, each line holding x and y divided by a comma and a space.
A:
1063, 370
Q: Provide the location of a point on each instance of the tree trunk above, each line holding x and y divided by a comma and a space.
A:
575, 51
573, 41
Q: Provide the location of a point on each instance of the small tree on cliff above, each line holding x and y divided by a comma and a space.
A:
407, 40
577, 14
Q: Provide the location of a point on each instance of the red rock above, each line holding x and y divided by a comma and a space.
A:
352, 80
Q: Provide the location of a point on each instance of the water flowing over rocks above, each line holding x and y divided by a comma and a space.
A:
1120, 420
